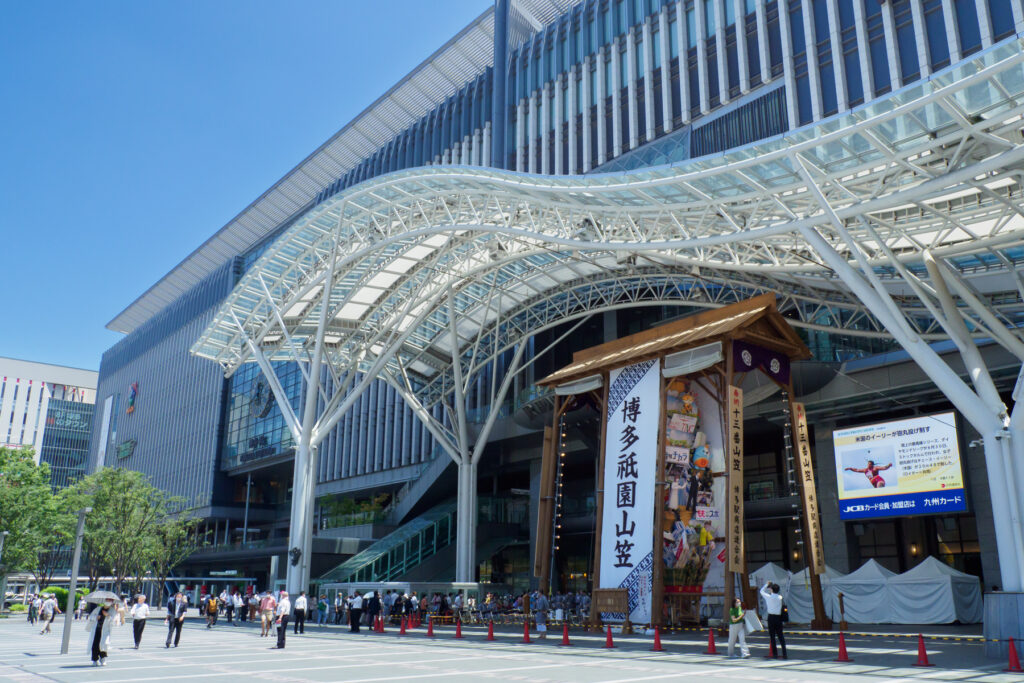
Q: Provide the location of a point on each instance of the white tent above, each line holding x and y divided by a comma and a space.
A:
769, 572
799, 598
866, 595
935, 593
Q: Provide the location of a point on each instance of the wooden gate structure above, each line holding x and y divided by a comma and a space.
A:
696, 484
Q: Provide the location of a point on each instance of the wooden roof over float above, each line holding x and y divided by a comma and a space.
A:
755, 320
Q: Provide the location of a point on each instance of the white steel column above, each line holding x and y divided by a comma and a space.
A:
300, 526
542, 127
811, 48
889, 25
633, 141
533, 127
788, 71
924, 61
572, 163
467, 478
984, 23
740, 11
952, 35
682, 40
721, 56
867, 78
559, 109
762, 39
486, 150
587, 84
665, 45
869, 290
702, 51
520, 134
646, 48
615, 64
838, 63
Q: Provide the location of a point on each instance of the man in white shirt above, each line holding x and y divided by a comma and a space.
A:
140, 612
239, 608
773, 605
48, 613
355, 610
284, 608
301, 605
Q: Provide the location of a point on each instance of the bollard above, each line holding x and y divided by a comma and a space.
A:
526, 631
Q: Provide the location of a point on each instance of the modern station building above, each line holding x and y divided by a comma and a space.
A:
48, 407
599, 91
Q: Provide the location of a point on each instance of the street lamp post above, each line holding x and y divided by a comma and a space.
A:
3, 572
69, 607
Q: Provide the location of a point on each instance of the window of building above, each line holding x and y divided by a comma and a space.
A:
968, 26
878, 541
765, 546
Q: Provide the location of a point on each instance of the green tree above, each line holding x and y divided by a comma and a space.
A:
177, 538
121, 533
29, 511
56, 522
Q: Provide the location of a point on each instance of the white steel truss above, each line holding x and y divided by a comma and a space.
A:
862, 224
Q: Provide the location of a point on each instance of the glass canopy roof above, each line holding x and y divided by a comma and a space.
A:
487, 257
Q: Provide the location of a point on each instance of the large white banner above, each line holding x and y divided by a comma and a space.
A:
630, 461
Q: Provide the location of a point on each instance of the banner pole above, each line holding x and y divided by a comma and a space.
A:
658, 570
595, 615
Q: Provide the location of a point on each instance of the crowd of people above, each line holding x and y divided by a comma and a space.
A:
358, 609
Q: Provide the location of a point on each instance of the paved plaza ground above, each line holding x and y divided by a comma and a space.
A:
333, 654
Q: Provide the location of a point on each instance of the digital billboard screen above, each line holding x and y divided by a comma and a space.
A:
899, 468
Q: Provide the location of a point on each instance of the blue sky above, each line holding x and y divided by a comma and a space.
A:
131, 131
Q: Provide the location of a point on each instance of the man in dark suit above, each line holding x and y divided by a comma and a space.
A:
176, 608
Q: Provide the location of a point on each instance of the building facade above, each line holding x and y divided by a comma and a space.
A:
549, 87
50, 408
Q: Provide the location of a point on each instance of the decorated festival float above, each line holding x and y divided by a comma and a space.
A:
669, 524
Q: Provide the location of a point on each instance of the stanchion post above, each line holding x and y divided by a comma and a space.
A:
69, 606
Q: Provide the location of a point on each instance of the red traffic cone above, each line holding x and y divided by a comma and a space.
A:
381, 624
401, 632
1014, 661
843, 657
712, 650
608, 643
458, 629
922, 654
657, 640
526, 630
490, 630
565, 634
772, 652
430, 627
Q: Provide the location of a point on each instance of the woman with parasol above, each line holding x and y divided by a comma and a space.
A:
99, 623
